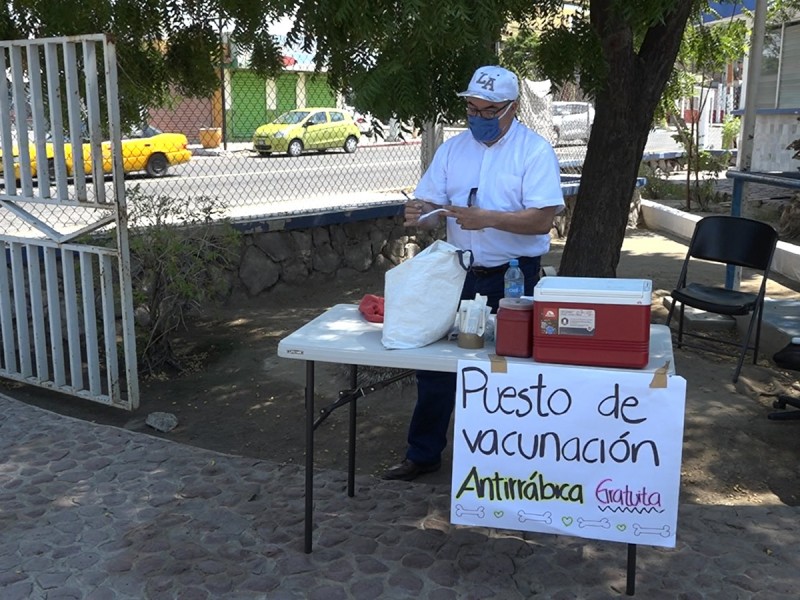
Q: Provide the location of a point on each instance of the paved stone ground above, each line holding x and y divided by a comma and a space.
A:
94, 512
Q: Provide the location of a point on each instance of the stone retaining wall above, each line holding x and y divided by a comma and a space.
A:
292, 256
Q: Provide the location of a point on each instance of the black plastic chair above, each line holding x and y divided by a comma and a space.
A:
732, 241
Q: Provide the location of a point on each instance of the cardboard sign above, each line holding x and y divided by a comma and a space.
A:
593, 453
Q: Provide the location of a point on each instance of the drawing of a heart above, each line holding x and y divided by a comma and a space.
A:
622, 527
498, 514
567, 521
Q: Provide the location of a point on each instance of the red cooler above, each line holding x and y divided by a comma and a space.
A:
592, 321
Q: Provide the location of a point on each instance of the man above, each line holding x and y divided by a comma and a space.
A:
500, 185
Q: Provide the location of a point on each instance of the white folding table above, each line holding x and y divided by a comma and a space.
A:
341, 335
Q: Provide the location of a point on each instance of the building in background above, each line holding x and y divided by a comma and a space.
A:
777, 97
246, 100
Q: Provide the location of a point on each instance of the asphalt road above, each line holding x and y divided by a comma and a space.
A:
251, 184
243, 178
248, 186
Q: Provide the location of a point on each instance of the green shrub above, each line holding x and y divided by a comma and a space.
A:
182, 256
658, 187
730, 131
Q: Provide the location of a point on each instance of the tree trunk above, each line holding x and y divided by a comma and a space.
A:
623, 118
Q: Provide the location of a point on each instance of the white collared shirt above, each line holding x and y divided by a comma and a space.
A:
518, 171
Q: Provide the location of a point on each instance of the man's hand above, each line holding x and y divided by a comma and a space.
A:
471, 218
414, 209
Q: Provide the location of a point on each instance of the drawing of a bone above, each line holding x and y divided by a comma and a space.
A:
476, 512
540, 518
603, 523
662, 531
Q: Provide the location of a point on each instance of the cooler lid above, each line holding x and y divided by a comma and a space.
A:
593, 290
524, 303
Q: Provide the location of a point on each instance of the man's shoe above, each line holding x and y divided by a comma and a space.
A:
407, 470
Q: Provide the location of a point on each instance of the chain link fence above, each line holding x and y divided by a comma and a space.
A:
285, 146
312, 152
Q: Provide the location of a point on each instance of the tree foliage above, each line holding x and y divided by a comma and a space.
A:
705, 53
402, 58
519, 53
411, 57
407, 58
162, 45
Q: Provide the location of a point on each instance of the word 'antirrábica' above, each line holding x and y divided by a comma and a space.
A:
498, 487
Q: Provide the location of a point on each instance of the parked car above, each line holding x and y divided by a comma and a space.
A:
572, 121
364, 122
145, 149
305, 129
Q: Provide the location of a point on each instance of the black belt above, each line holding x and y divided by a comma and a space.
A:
488, 271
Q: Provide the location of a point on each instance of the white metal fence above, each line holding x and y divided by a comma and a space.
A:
66, 308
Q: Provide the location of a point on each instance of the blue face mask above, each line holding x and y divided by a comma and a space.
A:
486, 130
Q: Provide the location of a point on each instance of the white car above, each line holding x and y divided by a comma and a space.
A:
363, 121
572, 121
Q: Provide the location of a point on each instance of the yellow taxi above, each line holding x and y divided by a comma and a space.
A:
153, 151
32, 154
146, 149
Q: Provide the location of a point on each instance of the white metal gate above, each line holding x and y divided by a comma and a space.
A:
66, 305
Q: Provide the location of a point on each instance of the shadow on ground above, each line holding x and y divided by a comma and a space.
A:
241, 399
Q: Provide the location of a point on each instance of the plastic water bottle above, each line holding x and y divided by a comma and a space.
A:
514, 280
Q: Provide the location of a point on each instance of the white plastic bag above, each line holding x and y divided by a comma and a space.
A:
421, 296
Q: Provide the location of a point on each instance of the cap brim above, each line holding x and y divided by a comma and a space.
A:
487, 97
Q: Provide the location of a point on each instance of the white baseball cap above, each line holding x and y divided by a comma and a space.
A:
494, 84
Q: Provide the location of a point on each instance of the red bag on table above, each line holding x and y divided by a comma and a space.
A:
371, 307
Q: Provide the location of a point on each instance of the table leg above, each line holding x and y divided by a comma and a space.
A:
351, 441
630, 586
309, 517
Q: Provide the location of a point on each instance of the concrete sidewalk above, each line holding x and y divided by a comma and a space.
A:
94, 512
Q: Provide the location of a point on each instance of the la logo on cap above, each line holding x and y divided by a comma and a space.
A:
485, 82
